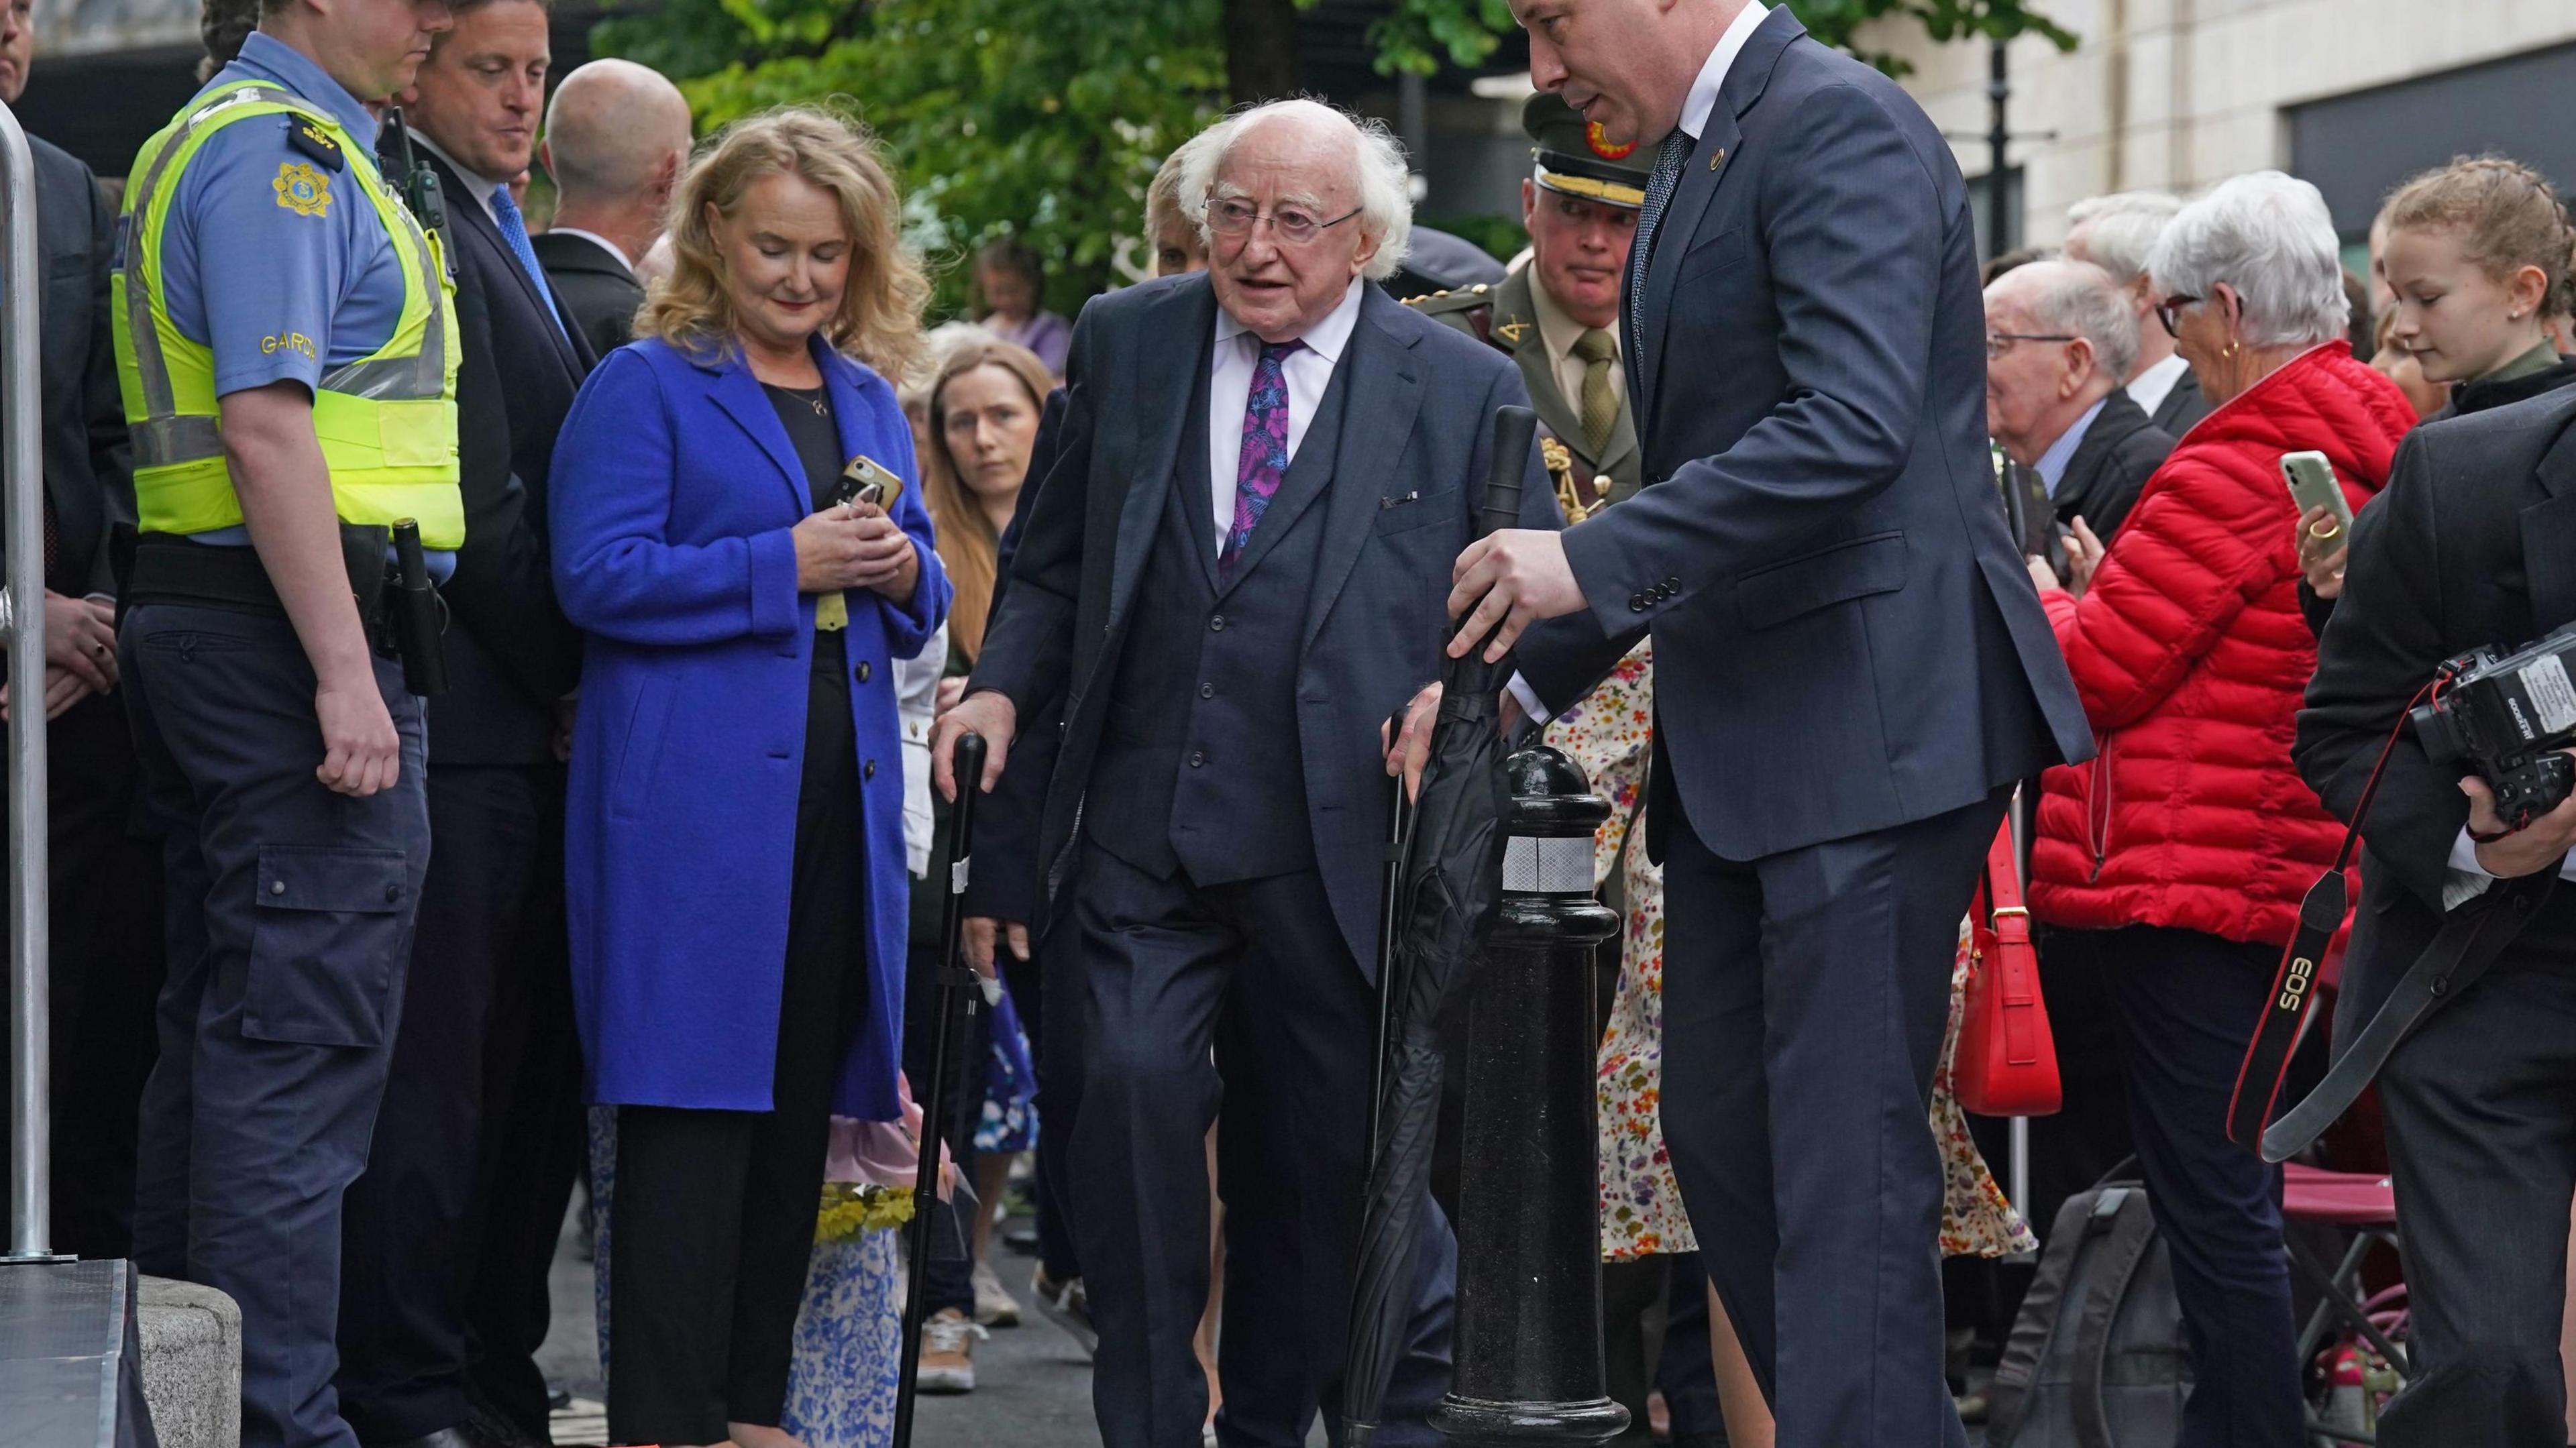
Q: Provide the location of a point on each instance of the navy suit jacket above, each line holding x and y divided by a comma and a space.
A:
1409, 475
1846, 639
88, 463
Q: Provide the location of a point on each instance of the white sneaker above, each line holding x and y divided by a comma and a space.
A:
994, 1305
1068, 1306
948, 1353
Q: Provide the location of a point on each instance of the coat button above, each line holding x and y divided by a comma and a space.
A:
863, 671
1674, 584
1636, 603
1207, 691
277, 887
393, 894
870, 771
1216, 624
1198, 758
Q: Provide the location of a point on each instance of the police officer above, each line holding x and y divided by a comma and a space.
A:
1557, 314
286, 350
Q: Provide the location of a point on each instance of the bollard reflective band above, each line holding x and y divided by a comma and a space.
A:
1548, 865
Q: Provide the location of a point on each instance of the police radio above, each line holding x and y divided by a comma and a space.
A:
419, 183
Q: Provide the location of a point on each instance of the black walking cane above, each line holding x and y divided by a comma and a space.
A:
960, 989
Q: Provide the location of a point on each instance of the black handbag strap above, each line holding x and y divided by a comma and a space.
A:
2132, 1232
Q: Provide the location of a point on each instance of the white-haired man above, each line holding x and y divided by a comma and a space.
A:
2059, 339
617, 139
1233, 575
2116, 233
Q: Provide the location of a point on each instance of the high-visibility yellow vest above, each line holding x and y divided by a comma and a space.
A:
386, 422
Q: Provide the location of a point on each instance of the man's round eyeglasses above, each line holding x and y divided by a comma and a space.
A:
2169, 312
1998, 343
1291, 224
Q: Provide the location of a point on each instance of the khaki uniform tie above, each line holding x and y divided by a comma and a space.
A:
1597, 349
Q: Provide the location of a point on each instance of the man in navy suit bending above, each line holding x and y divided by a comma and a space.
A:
1233, 573
1852, 667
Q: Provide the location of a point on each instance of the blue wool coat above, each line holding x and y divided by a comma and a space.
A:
675, 488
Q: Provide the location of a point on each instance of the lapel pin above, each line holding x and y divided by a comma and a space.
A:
1718, 159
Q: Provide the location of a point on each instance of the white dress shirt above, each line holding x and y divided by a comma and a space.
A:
1712, 72
2469, 879
477, 186
597, 240
1696, 108
2155, 384
1307, 371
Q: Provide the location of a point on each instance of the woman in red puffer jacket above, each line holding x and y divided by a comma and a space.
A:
2174, 863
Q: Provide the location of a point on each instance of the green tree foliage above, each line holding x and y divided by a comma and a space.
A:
1045, 119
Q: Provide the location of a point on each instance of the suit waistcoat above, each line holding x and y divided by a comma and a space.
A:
1199, 766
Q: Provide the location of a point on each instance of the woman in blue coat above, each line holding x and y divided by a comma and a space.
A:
735, 860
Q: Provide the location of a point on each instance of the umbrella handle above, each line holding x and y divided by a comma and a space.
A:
959, 987
1390, 920
1515, 433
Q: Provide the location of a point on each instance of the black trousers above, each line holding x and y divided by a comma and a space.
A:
491, 919
2481, 1104
1806, 995
2187, 1002
713, 1214
1241, 1005
106, 969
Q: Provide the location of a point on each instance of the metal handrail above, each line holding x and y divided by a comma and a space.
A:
22, 478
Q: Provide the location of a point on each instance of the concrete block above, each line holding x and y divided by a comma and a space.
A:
191, 1363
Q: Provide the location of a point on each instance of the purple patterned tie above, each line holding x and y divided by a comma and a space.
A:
1264, 458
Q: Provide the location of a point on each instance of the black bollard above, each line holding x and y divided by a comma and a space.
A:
1527, 1356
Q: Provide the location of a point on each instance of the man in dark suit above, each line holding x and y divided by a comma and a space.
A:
105, 884
1233, 574
1851, 668
2059, 337
444, 1257
2472, 545
617, 139
2116, 233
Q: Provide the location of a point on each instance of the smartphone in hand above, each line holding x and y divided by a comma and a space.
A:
2312, 485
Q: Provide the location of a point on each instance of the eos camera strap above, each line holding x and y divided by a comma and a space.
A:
2470, 939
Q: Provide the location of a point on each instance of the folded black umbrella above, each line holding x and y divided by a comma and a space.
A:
1449, 887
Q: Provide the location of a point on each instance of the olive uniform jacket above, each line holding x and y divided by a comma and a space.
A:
1505, 316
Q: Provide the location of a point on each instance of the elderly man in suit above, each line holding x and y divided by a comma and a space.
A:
1234, 573
449, 1234
1557, 314
617, 139
1851, 667
2059, 337
2116, 233
105, 884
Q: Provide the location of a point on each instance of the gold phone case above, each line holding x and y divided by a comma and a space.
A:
868, 481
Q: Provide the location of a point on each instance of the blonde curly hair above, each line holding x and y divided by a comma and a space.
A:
879, 321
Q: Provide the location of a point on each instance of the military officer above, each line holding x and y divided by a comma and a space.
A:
1557, 314
286, 350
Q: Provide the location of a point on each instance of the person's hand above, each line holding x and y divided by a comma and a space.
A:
80, 640
2527, 851
1410, 749
829, 549
2042, 577
2083, 557
2322, 554
951, 690
1512, 578
887, 561
63, 689
980, 934
989, 713
361, 753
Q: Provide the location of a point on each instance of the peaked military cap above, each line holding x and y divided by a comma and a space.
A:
1574, 158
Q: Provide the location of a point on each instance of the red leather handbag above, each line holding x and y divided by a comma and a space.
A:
2006, 1063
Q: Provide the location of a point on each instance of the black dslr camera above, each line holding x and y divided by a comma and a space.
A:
2509, 715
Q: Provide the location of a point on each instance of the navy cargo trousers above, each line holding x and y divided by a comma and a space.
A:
290, 919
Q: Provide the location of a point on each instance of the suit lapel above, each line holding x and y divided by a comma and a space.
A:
1385, 393
2549, 536
463, 210
1187, 311
1711, 162
734, 389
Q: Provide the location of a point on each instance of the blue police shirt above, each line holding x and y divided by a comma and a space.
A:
273, 260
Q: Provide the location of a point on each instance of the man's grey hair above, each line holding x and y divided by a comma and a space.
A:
1378, 168
2270, 237
2077, 299
2125, 226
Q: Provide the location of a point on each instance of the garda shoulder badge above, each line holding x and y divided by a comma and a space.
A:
301, 189
306, 135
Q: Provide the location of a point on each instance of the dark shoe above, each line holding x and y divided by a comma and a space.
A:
460, 1436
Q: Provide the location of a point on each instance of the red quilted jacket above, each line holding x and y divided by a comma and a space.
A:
2191, 657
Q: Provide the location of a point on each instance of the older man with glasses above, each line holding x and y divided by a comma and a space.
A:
2058, 340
